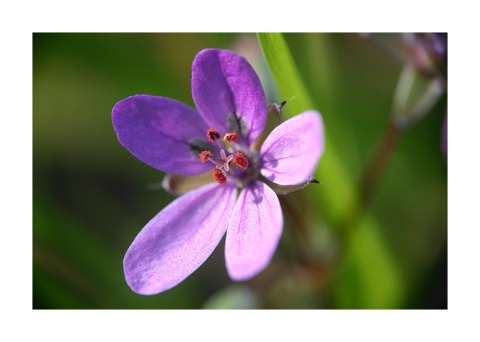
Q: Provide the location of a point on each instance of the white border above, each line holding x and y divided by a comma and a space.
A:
19, 19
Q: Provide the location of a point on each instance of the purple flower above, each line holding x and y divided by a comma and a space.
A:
218, 138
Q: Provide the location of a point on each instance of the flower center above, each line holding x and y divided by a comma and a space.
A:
223, 164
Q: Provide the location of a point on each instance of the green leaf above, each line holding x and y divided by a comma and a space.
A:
237, 296
369, 277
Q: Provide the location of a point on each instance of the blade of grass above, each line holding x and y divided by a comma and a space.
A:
339, 199
290, 84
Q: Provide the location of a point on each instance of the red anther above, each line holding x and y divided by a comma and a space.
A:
240, 160
212, 134
205, 155
230, 137
219, 176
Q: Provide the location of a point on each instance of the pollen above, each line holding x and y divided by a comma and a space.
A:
230, 137
240, 160
219, 176
212, 134
205, 155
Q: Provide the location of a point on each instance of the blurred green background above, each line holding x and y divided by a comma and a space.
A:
91, 197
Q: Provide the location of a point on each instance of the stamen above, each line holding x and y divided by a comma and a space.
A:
230, 137
212, 134
219, 176
240, 160
205, 155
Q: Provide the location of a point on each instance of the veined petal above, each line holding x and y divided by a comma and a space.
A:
163, 133
228, 94
291, 151
253, 232
179, 239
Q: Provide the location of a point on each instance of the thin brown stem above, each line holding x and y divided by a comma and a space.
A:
375, 169
299, 229
372, 176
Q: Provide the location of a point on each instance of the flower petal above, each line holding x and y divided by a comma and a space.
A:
228, 94
179, 239
291, 151
253, 231
163, 133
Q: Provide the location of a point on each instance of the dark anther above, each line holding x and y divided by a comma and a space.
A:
212, 134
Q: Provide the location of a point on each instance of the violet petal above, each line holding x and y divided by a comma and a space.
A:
224, 85
253, 232
291, 151
163, 133
179, 239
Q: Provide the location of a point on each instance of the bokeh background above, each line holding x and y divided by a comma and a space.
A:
386, 247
